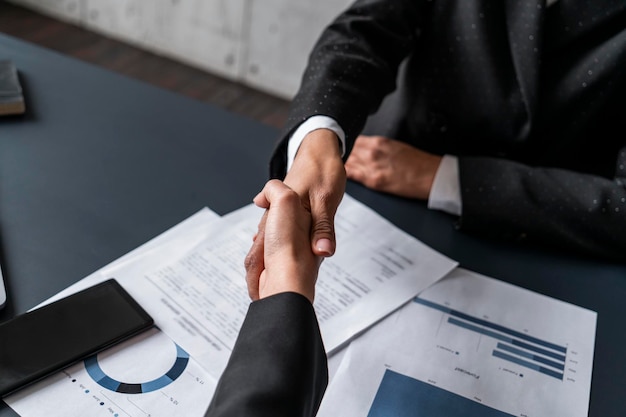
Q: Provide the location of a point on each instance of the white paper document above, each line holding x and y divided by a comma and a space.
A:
200, 299
191, 280
469, 346
148, 375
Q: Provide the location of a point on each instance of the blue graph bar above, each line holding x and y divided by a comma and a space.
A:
522, 362
529, 355
504, 338
481, 330
523, 345
402, 396
490, 325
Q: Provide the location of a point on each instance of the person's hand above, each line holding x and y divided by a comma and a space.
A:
319, 177
288, 263
391, 166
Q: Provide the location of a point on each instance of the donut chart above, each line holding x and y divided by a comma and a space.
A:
99, 376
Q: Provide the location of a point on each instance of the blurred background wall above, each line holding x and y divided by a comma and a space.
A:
261, 43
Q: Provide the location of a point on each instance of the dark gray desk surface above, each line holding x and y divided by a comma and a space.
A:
101, 163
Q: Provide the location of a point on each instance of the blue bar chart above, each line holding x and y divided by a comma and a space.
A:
511, 345
469, 346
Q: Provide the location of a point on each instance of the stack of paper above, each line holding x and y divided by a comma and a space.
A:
461, 346
191, 279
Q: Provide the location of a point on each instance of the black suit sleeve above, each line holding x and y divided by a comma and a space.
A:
553, 207
278, 366
367, 42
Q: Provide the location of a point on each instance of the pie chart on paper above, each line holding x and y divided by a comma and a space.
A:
146, 363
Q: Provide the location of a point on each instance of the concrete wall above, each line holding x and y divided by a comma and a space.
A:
262, 43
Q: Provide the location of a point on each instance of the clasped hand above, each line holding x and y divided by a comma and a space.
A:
318, 179
297, 229
280, 259
393, 167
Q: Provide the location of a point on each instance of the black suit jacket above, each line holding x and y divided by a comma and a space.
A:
532, 100
278, 366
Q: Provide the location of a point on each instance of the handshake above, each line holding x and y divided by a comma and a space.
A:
278, 365
280, 259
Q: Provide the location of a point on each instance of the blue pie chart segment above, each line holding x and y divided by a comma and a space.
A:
97, 374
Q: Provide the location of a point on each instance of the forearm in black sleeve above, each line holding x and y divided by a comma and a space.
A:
352, 67
278, 366
560, 208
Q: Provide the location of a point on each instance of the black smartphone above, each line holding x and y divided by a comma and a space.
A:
48, 339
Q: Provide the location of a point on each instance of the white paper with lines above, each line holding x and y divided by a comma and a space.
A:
200, 298
470, 346
191, 281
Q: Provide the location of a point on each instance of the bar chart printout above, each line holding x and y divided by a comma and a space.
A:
470, 346
514, 346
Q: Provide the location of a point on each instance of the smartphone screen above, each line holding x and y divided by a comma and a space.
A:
48, 339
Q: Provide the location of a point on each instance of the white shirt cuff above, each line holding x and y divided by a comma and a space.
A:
311, 124
445, 193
